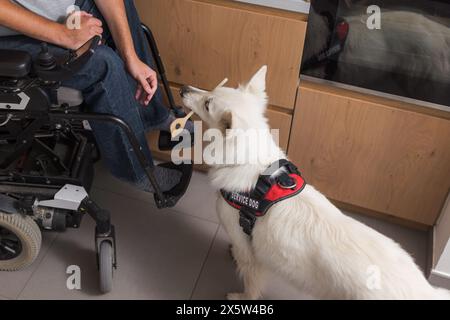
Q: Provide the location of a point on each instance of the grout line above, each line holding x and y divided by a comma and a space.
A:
193, 216
39, 264
154, 206
124, 196
204, 262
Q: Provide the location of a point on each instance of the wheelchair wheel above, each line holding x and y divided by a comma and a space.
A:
20, 241
105, 263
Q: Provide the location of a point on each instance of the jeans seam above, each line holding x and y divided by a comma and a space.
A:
122, 135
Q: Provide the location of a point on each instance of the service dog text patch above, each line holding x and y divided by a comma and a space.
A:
244, 200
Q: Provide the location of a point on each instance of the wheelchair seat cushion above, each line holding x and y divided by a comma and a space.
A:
14, 63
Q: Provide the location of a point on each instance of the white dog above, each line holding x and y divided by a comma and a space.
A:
305, 238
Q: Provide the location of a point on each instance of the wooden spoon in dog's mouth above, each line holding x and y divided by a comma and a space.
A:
177, 127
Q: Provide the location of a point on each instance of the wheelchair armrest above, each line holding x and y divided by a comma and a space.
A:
14, 63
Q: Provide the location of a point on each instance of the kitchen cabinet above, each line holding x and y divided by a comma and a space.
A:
202, 42
371, 153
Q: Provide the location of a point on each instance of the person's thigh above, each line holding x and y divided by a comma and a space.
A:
27, 44
104, 84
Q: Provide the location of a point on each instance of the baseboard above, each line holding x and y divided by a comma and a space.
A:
439, 279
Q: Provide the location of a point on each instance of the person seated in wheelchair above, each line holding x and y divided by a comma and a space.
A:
119, 79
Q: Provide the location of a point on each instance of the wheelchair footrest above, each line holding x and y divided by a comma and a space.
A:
172, 196
165, 141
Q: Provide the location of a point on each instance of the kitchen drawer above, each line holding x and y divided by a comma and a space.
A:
202, 42
366, 153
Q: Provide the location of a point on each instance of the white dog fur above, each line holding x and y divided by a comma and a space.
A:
306, 238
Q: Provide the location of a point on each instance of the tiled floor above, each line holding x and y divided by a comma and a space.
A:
171, 254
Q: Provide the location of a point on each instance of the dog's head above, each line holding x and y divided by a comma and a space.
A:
230, 108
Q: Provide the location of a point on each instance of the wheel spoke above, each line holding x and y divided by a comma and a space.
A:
7, 248
10, 245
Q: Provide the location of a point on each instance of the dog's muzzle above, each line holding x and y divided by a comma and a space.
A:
184, 91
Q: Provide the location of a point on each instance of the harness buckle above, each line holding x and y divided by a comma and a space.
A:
286, 182
247, 220
262, 187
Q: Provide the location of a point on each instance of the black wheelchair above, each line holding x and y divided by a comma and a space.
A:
47, 156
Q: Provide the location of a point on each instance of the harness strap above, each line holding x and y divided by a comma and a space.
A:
273, 185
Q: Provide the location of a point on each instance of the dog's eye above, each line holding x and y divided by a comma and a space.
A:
207, 103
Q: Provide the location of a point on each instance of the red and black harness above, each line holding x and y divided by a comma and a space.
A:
280, 181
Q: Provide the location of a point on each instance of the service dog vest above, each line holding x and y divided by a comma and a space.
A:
280, 181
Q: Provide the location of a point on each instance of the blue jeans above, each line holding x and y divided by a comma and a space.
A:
108, 88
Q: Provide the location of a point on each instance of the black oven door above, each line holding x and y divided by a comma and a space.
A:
398, 47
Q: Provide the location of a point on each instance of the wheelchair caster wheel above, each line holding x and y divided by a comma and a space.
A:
106, 266
20, 241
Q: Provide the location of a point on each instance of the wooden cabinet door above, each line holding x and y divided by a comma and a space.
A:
202, 42
370, 155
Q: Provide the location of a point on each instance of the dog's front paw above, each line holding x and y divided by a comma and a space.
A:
236, 296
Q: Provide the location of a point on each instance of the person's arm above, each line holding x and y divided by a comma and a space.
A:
115, 15
24, 21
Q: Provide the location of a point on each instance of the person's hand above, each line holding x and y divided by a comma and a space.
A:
77, 35
146, 78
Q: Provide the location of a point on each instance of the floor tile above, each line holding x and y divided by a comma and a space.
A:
12, 283
199, 200
219, 273
105, 181
160, 254
219, 277
415, 242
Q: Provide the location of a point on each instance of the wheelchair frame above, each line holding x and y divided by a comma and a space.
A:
72, 196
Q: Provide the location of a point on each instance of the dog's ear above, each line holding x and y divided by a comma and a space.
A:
257, 85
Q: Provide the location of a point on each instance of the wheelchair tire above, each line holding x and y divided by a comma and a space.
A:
20, 241
105, 263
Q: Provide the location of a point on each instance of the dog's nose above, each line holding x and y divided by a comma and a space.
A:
183, 91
